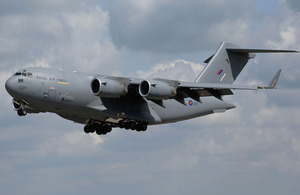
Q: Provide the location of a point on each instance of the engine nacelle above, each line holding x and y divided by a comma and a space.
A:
108, 88
156, 90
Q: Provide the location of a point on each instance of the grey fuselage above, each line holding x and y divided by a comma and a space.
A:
69, 95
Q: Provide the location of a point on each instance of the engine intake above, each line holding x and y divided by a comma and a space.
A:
107, 88
156, 90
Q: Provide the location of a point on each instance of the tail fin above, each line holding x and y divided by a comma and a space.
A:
224, 66
227, 63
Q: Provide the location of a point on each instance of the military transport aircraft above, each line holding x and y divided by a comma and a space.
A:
103, 102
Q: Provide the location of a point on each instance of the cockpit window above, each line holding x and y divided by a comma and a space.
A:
17, 73
25, 74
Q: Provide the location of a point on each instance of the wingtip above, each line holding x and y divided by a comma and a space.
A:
273, 82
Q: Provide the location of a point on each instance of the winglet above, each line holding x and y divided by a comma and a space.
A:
272, 84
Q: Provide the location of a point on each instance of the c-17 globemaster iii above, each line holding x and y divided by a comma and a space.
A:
104, 102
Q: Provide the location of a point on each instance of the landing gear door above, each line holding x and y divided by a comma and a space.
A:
51, 97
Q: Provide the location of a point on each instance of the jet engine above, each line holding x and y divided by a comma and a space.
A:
108, 88
156, 90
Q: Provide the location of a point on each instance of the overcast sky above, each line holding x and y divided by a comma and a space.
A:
253, 149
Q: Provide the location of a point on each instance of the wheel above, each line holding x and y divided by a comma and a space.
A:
121, 124
99, 131
86, 129
107, 128
143, 126
138, 127
96, 126
132, 125
126, 125
22, 112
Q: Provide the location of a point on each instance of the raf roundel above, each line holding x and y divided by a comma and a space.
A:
190, 102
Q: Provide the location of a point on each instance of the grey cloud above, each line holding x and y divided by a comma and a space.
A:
294, 4
35, 6
71, 37
175, 70
174, 26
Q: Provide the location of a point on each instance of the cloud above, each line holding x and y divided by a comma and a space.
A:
293, 4
175, 70
177, 26
58, 38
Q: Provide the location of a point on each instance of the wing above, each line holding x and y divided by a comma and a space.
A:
197, 90
159, 89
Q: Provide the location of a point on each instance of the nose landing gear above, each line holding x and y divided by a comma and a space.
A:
19, 107
22, 112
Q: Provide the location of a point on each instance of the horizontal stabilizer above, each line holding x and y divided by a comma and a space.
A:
238, 50
229, 60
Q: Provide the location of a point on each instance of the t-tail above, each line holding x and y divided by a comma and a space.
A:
227, 63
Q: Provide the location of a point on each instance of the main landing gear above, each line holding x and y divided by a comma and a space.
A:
138, 126
104, 128
100, 129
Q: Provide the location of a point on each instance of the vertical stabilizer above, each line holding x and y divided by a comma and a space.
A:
225, 65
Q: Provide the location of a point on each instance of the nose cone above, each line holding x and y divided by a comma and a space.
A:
10, 85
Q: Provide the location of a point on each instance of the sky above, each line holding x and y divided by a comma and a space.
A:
253, 149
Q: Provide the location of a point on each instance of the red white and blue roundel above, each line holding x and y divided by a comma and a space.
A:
190, 102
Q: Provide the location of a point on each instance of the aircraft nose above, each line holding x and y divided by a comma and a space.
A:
10, 85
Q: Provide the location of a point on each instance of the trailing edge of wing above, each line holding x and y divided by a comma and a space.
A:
196, 86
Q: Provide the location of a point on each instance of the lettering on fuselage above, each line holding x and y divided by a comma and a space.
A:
41, 78
62, 80
59, 80
22, 87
